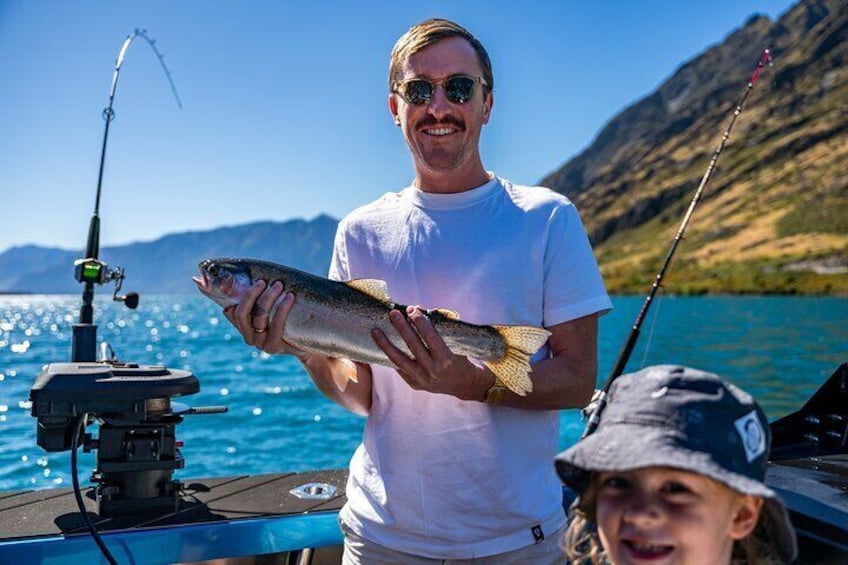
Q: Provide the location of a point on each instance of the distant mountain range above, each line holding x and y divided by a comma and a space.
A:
167, 264
774, 218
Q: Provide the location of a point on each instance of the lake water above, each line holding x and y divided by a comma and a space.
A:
778, 348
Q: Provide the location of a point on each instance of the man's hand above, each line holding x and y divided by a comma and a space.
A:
261, 318
432, 366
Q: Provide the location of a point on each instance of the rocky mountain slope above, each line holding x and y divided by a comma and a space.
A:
774, 218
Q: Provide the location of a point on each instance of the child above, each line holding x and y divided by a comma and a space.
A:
674, 473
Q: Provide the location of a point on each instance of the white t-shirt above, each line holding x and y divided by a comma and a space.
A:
434, 475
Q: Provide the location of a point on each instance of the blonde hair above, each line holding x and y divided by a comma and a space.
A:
427, 33
583, 544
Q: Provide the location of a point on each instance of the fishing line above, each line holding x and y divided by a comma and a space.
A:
651, 332
600, 398
93, 247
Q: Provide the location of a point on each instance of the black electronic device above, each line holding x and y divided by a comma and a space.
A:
137, 451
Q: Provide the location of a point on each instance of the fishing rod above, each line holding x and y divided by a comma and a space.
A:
91, 270
624, 355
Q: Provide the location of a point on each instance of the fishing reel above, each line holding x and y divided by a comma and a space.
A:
94, 271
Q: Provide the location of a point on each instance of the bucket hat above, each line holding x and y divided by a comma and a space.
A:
683, 418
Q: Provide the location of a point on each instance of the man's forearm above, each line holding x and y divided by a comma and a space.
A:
557, 384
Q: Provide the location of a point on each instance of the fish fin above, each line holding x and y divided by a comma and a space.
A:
449, 314
514, 369
348, 373
375, 288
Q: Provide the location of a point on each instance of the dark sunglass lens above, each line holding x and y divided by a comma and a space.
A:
417, 91
459, 89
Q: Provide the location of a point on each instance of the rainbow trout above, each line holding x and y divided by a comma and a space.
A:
335, 319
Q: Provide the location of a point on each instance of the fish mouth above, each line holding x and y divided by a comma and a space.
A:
215, 284
203, 283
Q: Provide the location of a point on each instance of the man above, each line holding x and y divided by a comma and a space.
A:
451, 465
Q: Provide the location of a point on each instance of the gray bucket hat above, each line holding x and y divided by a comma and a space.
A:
679, 417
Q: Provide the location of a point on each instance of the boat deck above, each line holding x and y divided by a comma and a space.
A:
217, 518
256, 519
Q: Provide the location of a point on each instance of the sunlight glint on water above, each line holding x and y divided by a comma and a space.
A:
778, 348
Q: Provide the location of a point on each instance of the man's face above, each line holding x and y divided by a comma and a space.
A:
443, 136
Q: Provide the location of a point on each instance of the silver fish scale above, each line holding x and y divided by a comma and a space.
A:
342, 327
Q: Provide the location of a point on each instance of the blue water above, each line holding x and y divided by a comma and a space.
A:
778, 348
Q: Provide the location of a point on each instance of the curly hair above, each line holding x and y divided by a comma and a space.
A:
582, 543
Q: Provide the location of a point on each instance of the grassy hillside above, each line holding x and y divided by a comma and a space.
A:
774, 218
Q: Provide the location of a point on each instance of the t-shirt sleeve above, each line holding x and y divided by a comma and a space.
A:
573, 284
339, 266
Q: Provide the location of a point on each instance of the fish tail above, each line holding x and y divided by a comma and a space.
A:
513, 369
347, 374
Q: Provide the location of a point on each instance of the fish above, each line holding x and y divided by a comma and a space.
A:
335, 319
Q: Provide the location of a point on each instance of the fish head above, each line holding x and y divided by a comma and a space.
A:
224, 281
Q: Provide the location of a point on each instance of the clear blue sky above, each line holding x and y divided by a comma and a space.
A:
284, 103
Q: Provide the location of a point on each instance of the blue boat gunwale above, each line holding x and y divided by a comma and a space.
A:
183, 543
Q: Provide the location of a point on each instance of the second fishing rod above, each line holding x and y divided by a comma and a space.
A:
600, 401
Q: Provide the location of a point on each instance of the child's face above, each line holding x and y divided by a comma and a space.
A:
659, 515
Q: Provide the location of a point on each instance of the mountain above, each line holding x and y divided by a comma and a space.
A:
20, 264
774, 217
167, 264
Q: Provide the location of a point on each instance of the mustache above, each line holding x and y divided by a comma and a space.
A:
446, 121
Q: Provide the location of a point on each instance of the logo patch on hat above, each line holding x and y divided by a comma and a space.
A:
538, 534
752, 434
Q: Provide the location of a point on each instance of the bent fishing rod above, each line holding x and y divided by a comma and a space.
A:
91, 270
630, 343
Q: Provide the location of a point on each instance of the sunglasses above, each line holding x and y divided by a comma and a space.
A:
458, 89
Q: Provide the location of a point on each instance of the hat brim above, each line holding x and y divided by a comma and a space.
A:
626, 446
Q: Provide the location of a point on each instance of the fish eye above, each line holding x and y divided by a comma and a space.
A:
213, 269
